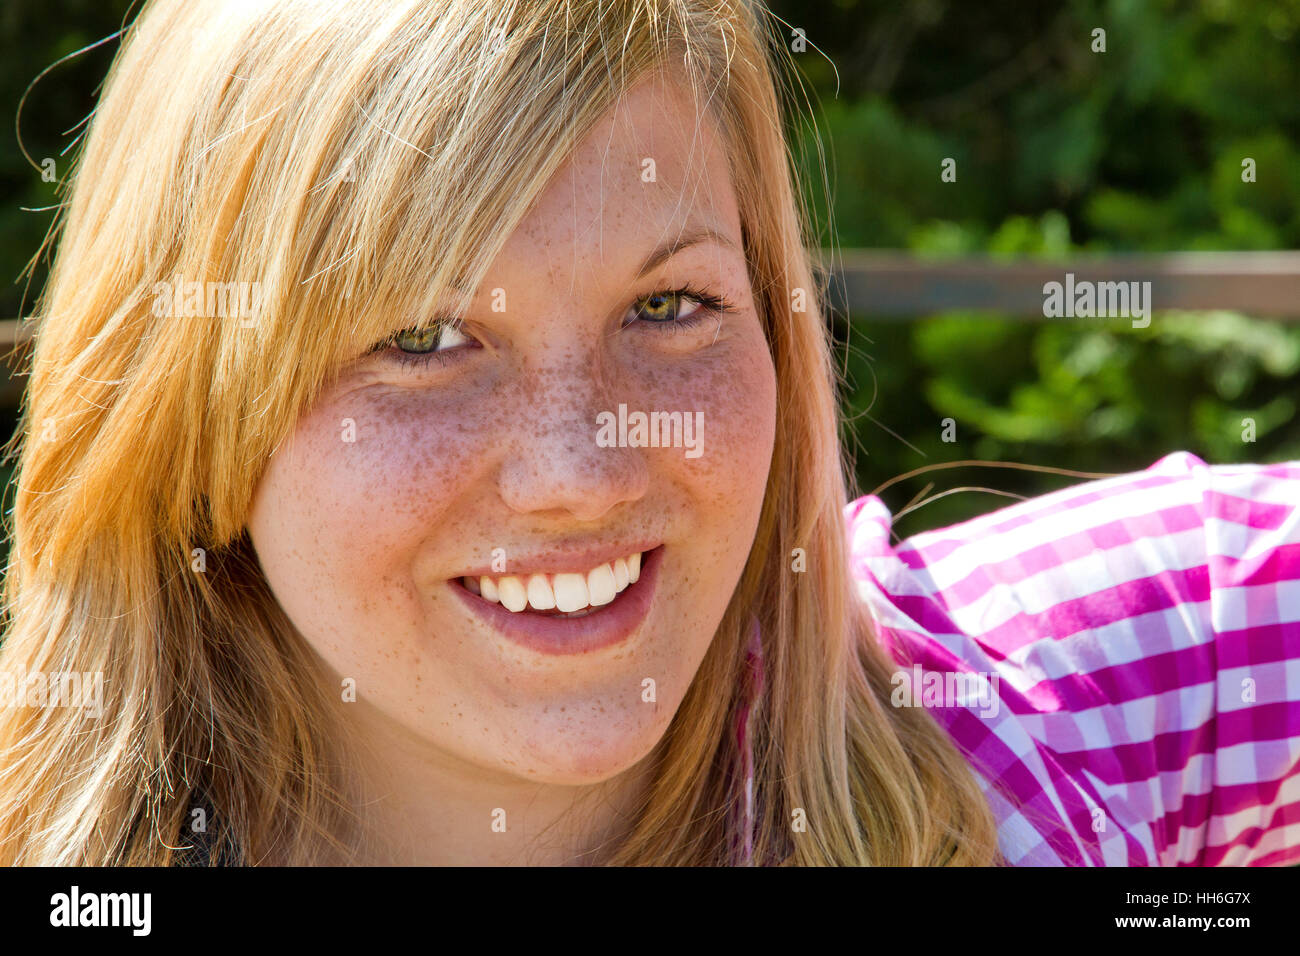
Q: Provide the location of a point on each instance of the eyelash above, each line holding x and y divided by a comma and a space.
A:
711, 304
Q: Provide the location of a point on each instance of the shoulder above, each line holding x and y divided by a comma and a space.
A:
1101, 554
1107, 631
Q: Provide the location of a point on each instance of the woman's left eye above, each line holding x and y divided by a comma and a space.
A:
666, 307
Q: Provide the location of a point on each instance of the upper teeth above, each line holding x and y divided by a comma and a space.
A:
561, 592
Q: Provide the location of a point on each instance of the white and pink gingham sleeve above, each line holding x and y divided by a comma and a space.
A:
1119, 660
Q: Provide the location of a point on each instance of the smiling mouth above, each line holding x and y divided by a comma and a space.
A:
568, 613
559, 595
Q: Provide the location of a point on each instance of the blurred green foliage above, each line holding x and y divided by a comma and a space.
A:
1058, 149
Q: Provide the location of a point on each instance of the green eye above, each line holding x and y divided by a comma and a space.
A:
661, 307
670, 309
435, 338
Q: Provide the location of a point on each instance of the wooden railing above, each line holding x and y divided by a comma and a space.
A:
893, 284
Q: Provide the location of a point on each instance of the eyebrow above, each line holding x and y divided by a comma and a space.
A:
662, 254
683, 241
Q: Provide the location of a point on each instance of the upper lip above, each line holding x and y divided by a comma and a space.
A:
559, 560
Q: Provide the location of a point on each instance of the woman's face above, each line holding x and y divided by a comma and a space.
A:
502, 456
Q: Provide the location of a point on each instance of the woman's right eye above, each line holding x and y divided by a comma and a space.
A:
415, 348
434, 338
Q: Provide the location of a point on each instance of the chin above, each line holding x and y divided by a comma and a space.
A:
581, 756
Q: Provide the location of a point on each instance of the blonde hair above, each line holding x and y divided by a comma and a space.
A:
342, 154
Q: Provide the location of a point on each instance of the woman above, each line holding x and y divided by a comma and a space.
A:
431, 440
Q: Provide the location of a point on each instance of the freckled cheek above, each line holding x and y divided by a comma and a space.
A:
734, 394
380, 473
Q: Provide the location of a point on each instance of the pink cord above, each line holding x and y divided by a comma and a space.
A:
753, 677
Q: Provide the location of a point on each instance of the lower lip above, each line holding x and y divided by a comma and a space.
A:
604, 627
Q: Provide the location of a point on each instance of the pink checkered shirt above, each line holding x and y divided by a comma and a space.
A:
1130, 660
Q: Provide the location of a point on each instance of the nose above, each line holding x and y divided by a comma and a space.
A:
554, 465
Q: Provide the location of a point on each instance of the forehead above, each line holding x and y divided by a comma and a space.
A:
653, 167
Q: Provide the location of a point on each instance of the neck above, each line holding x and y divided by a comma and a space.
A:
420, 806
